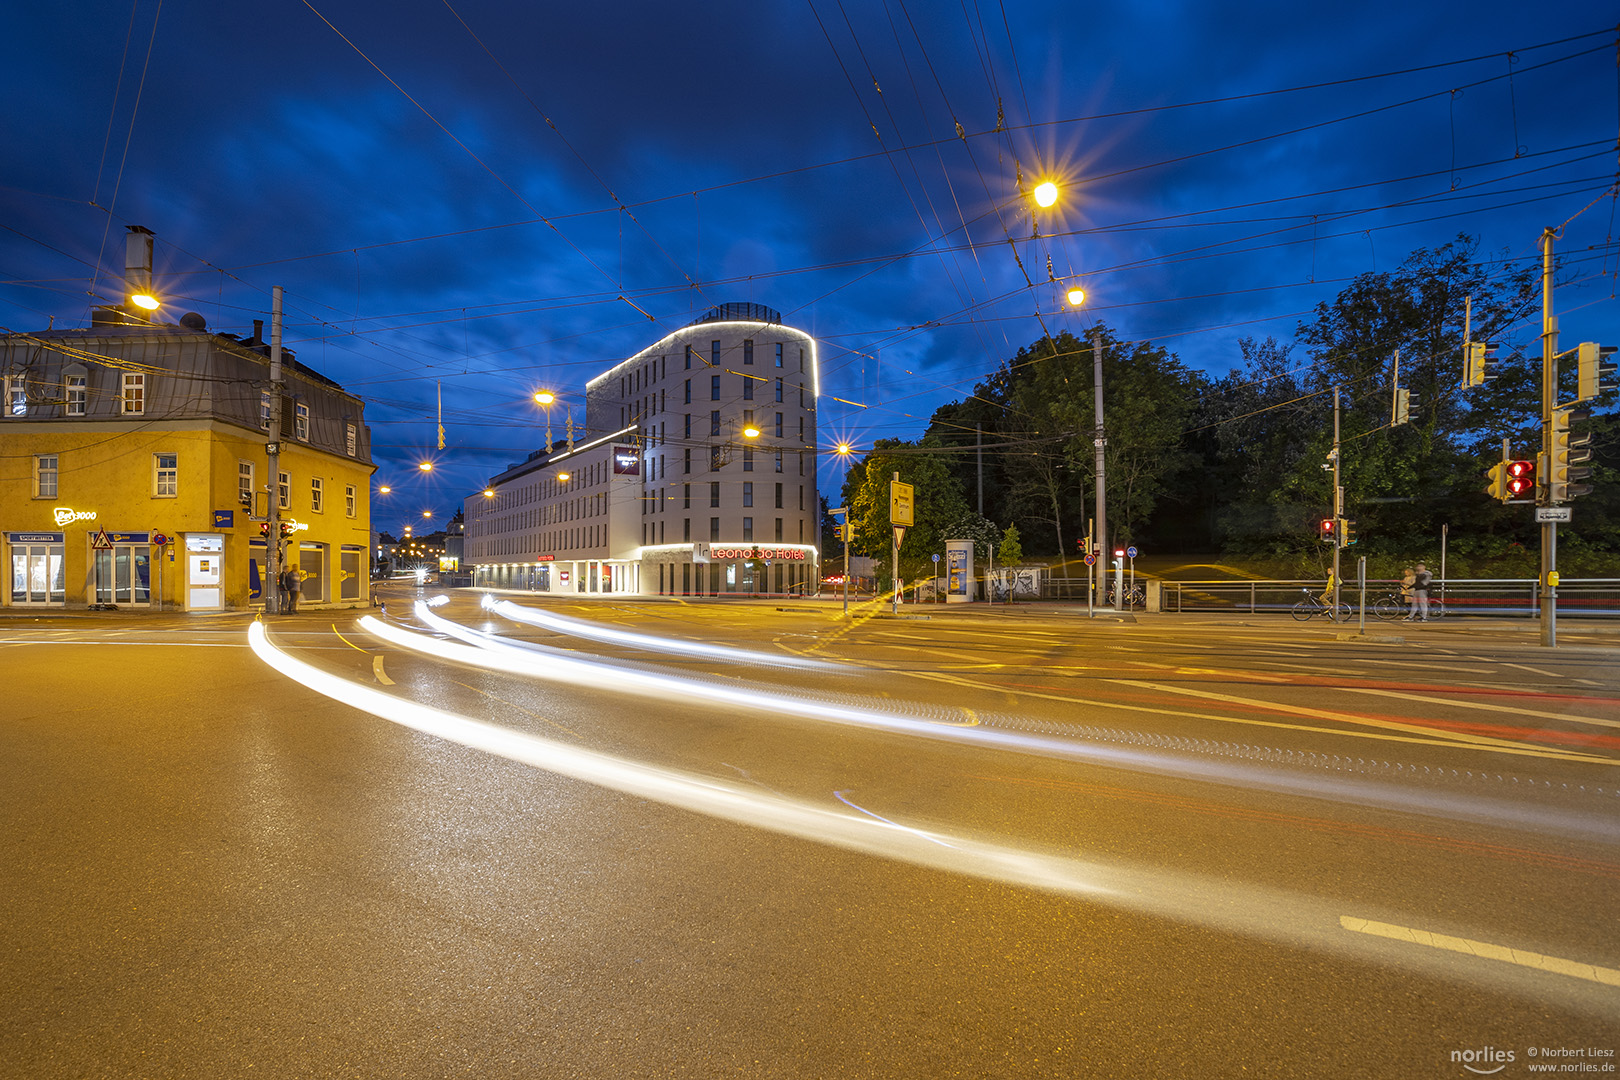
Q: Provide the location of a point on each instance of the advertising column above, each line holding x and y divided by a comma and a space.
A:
958, 571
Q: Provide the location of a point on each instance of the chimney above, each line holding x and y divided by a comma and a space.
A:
258, 331
137, 269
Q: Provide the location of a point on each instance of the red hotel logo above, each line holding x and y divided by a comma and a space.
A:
757, 553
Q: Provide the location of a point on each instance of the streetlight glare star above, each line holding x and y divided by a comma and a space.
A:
544, 397
145, 300
1046, 193
426, 466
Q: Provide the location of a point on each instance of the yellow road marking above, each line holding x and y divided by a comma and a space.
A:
343, 639
521, 709
1484, 949
1484, 706
377, 670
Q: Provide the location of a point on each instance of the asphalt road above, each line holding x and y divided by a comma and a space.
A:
985, 843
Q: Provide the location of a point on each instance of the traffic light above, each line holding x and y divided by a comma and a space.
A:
1521, 479
1595, 369
1570, 453
1497, 488
286, 529
1403, 407
1477, 358
1347, 532
1327, 530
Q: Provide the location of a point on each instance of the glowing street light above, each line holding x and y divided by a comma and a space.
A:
563, 477
384, 490
489, 493
427, 513
1077, 296
751, 432
545, 399
145, 300
1046, 193
844, 449
426, 466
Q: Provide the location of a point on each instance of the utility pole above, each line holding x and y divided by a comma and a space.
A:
1338, 506
272, 536
1549, 394
895, 534
1100, 537
978, 431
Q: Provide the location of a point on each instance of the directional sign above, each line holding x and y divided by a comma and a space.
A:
1130, 552
901, 509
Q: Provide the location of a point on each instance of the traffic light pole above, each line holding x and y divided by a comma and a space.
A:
1549, 399
272, 536
1338, 506
1100, 536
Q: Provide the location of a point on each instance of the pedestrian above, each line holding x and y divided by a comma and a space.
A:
290, 584
1408, 576
1420, 591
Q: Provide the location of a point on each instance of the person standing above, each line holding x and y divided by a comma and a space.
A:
290, 585
1408, 598
1420, 591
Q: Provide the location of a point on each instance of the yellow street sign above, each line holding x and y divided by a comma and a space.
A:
901, 509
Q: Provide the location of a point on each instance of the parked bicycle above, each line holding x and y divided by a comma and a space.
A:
1393, 605
1135, 597
1312, 606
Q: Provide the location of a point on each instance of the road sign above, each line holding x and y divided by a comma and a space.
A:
1130, 552
899, 535
901, 509
1091, 559
1555, 513
936, 558
100, 541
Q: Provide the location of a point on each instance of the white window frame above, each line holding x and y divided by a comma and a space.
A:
317, 495
132, 395
301, 421
244, 484
283, 490
351, 501
165, 478
16, 395
264, 410
41, 472
76, 389
350, 440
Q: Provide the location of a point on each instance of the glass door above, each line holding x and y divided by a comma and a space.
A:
37, 574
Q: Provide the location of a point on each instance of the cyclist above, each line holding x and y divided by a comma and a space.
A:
1327, 593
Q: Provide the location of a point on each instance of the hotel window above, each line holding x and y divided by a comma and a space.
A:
778, 389
748, 388
244, 484
349, 438
714, 422
283, 490
778, 530
688, 424
748, 350
351, 501
686, 496
714, 493
16, 395
801, 359
715, 461
714, 351
779, 500
779, 458
688, 391
165, 475
778, 354
686, 459
316, 493
45, 473
689, 358
801, 429
714, 529
76, 391
686, 529
748, 493
714, 388
748, 529
748, 459
801, 496
779, 435
133, 400
301, 422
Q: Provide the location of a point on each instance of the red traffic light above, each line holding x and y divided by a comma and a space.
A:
1521, 478
1327, 526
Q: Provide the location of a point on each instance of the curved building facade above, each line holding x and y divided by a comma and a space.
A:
696, 476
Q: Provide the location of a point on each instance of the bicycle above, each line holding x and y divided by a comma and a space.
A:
1394, 606
1313, 605
1134, 597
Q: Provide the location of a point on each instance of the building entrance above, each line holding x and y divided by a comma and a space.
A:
123, 573
37, 572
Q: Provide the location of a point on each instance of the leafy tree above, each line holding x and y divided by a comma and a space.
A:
937, 501
1011, 552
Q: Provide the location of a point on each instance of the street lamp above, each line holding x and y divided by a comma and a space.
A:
562, 477
145, 300
1046, 193
751, 432
1076, 295
545, 399
384, 490
426, 466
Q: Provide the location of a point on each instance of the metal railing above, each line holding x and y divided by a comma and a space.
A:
1498, 597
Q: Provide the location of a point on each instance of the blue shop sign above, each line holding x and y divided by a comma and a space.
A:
224, 519
35, 538
129, 538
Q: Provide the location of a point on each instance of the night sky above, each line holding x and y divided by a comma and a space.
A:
493, 197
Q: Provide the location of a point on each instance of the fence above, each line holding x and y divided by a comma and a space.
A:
1597, 597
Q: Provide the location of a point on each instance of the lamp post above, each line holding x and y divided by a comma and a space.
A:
545, 399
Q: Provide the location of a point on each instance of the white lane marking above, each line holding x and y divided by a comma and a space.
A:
1428, 664
1532, 670
149, 644
1484, 949
1481, 706
377, 670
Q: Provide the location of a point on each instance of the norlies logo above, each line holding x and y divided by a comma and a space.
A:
1485, 1055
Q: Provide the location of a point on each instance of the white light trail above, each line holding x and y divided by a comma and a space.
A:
648, 642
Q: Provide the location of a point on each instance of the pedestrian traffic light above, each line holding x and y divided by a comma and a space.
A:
1497, 488
1521, 479
1595, 370
1570, 453
286, 529
1327, 530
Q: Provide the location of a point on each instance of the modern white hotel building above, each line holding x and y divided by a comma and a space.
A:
696, 474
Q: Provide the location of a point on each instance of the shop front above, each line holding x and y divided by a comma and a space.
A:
121, 568
38, 575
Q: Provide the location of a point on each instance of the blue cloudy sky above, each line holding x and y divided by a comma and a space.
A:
487, 197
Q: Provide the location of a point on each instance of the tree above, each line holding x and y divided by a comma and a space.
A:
937, 502
1011, 552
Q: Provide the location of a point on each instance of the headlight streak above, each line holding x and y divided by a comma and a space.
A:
515, 658
649, 643
1295, 921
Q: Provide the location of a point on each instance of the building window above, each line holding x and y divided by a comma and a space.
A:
689, 358
76, 391
715, 461
133, 402
778, 530
264, 410
801, 496
316, 493
748, 529
45, 473
748, 350
244, 484
351, 501
779, 432
778, 354
778, 389
686, 496
16, 395
714, 422
748, 493
688, 391
779, 458
779, 500
714, 388
714, 351
686, 458
748, 459
801, 359
349, 440
688, 423
301, 422
714, 529
283, 490
686, 523
748, 388
801, 429
714, 493
165, 475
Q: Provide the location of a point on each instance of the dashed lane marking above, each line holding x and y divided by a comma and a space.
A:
1485, 950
